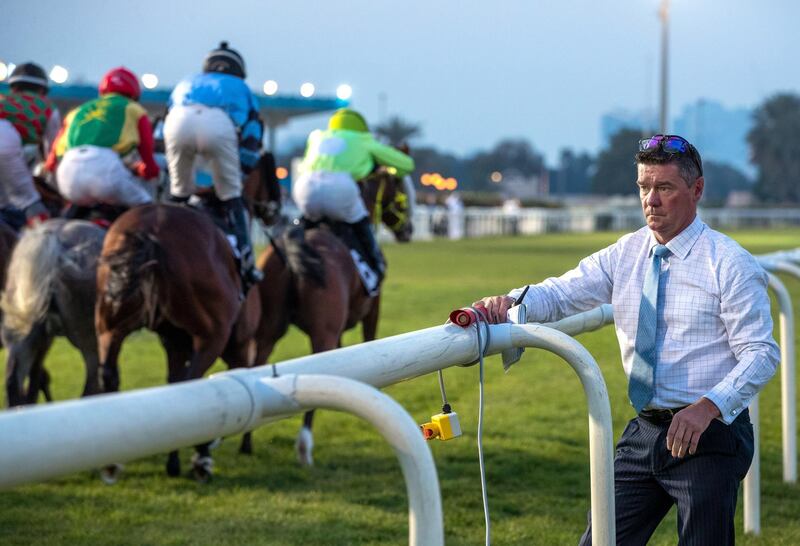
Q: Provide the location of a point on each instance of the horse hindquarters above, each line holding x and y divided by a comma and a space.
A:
124, 278
31, 275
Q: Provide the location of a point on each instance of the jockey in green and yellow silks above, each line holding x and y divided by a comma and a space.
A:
334, 161
105, 148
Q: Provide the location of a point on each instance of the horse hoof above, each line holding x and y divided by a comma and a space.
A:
110, 474
173, 467
202, 468
304, 447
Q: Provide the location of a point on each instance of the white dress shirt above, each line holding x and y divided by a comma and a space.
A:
714, 333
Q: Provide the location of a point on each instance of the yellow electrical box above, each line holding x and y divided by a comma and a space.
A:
444, 426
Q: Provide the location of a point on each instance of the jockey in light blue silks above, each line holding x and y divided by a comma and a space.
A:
215, 115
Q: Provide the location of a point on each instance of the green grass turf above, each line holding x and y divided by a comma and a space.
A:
535, 436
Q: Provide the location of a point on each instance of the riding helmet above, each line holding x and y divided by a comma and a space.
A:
120, 80
225, 60
344, 118
30, 73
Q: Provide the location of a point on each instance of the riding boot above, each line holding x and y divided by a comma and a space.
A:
240, 226
363, 231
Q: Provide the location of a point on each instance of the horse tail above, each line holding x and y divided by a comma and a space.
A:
31, 277
302, 259
130, 272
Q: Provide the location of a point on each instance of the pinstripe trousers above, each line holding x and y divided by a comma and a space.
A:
704, 486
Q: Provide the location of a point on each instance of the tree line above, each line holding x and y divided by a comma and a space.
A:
774, 152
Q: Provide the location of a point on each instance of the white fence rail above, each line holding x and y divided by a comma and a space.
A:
432, 222
47, 441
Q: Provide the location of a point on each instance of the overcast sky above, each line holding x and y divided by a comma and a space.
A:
469, 72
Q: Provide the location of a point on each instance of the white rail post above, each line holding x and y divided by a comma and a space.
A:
788, 386
601, 435
295, 392
752, 481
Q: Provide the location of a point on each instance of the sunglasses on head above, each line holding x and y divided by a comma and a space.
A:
671, 144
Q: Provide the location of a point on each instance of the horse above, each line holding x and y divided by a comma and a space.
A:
8, 239
148, 276
11, 221
311, 281
49, 292
44, 275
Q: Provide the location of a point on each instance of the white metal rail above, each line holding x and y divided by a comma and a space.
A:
48, 441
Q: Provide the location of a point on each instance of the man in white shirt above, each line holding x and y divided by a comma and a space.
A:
692, 318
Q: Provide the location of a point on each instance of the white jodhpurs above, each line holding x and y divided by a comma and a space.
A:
16, 182
89, 175
197, 130
329, 195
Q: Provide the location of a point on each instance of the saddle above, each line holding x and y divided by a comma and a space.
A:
344, 232
209, 204
101, 214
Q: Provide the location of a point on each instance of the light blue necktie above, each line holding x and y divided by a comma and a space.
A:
640, 387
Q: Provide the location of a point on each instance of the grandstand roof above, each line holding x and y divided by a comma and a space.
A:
276, 110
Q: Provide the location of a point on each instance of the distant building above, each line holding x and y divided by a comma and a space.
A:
614, 122
719, 133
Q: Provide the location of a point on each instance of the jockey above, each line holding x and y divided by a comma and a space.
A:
105, 148
335, 160
215, 115
29, 123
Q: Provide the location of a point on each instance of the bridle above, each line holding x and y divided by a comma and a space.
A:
397, 208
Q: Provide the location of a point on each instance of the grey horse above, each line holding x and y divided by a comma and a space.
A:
50, 291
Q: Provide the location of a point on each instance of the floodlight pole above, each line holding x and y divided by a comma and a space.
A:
664, 15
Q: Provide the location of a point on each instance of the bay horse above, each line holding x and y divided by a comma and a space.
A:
53, 285
169, 268
311, 281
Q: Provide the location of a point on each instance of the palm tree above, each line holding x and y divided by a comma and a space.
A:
397, 131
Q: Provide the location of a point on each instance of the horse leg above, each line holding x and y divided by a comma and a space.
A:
92, 363
44, 386
205, 353
242, 355
39, 379
79, 329
109, 345
25, 358
369, 325
178, 348
304, 445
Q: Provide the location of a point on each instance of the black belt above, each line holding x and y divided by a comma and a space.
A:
659, 416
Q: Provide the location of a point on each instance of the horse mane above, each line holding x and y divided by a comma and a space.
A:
302, 259
31, 274
128, 265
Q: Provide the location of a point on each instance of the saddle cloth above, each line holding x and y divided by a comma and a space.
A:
369, 277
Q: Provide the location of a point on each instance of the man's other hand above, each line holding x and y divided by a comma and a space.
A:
688, 425
496, 308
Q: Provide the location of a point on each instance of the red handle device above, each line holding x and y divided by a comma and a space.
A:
466, 316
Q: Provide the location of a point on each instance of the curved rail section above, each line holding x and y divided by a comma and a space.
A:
292, 393
60, 438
